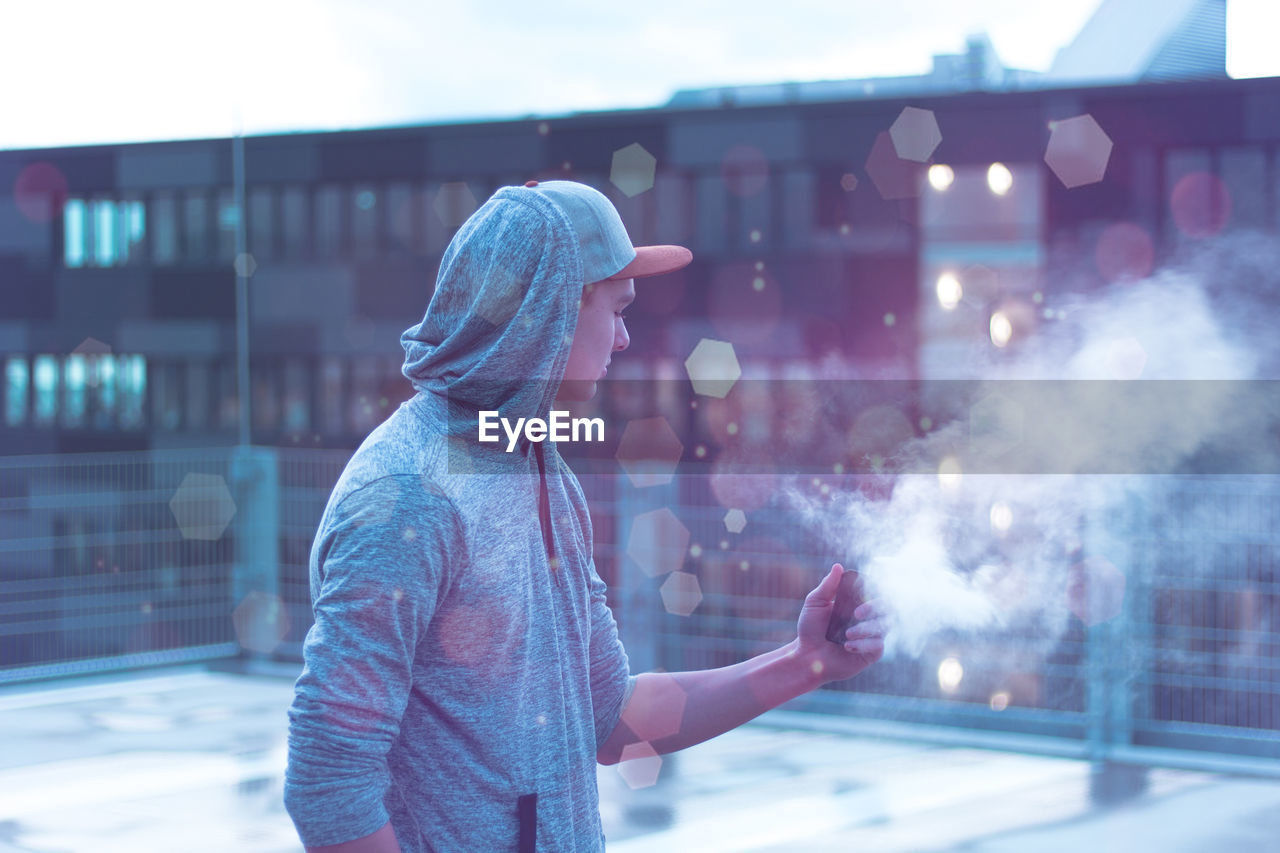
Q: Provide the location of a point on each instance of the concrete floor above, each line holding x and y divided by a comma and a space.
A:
188, 759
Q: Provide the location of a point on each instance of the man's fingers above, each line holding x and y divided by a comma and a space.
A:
872, 649
868, 628
825, 592
869, 610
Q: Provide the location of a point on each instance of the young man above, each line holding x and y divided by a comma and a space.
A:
464, 674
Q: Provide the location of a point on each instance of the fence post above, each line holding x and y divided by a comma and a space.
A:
1111, 538
258, 613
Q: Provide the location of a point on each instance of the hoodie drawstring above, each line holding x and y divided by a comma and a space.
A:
544, 511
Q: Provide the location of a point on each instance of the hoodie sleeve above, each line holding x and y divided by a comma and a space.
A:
383, 553
611, 679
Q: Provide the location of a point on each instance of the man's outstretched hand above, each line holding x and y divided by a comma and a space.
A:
865, 639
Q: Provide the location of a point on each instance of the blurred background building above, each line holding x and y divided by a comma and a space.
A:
887, 228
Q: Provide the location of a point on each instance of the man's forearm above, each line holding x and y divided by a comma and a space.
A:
715, 701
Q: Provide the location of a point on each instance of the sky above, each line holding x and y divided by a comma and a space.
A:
132, 70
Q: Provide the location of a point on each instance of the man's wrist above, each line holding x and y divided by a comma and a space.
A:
806, 668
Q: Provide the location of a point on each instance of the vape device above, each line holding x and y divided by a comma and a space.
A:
848, 597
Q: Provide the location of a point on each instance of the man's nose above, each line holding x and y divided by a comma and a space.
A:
621, 340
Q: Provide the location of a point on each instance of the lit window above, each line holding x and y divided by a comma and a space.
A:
131, 381
46, 388
131, 229
104, 233
228, 222
75, 374
73, 233
15, 390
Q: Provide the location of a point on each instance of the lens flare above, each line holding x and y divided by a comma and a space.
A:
1001, 329
950, 673
949, 291
1001, 517
999, 178
941, 176
949, 473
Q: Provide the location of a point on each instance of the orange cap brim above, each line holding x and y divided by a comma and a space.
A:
654, 260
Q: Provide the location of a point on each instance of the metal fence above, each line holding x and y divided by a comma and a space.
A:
121, 560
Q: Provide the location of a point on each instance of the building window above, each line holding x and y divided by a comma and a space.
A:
103, 225
166, 397
402, 222
332, 399
297, 396
262, 226
228, 223
295, 222
364, 220
46, 387
131, 382
164, 232
328, 221
16, 382
104, 380
74, 232
75, 373
197, 394
195, 226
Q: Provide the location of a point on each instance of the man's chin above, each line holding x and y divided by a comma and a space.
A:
576, 390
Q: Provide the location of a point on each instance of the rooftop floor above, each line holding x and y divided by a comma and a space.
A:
191, 759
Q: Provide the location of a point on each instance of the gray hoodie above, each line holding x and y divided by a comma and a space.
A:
462, 657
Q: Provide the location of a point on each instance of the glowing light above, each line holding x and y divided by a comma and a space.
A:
735, 520
757, 283
999, 178
949, 473
633, 169
949, 291
1001, 329
950, 672
1001, 516
695, 550
755, 237
890, 319
848, 182
999, 701
941, 176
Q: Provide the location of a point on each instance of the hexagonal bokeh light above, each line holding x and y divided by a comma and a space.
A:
649, 452
633, 169
915, 134
658, 542
202, 506
92, 346
1078, 151
261, 622
894, 177
1125, 252
454, 202
735, 521
681, 593
640, 765
713, 368
40, 191
656, 712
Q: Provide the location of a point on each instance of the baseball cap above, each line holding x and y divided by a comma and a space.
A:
605, 248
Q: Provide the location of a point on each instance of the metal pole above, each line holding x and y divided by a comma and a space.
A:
242, 282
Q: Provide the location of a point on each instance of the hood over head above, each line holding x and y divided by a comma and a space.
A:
497, 333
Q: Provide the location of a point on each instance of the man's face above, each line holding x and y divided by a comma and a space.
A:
601, 332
